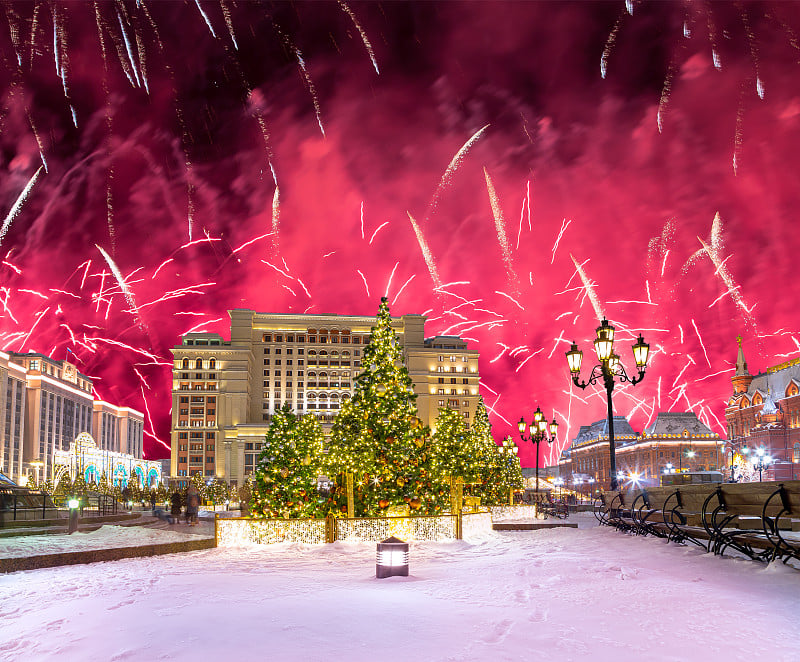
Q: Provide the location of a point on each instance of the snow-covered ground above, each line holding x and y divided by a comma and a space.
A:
103, 538
568, 594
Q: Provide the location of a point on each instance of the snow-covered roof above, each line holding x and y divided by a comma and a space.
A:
775, 381
598, 429
675, 423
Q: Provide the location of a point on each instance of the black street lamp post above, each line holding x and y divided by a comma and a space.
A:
609, 368
537, 434
763, 462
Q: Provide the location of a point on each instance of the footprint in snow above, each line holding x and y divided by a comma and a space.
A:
539, 615
498, 631
124, 603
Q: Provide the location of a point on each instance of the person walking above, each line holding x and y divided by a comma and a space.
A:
153, 500
192, 505
175, 512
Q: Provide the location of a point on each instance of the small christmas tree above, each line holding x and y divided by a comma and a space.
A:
218, 491
492, 486
285, 480
458, 453
505, 474
199, 482
378, 436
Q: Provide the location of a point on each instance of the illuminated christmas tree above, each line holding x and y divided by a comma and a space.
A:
504, 474
378, 437
458, 453
199, 482
285, 480
493, 484
217, 491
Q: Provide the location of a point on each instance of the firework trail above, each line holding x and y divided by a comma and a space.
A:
452, 167
588, 287
727, 279
378, 229
363, 278
311, 89
426, 252
610, 42
363, 34
502, 238
226, 13
397, 296
276, 217
666, 90
712, 38
738, 135
526, 204
391, 277
564, 225
15, 208
123, 286
206, 19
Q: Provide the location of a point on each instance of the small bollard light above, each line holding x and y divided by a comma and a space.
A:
73, 504
392, 558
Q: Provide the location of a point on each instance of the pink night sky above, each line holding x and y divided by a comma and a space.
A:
162, 163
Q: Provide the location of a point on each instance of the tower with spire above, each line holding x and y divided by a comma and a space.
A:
741, 378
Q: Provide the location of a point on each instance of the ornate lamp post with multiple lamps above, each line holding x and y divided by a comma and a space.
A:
609, 368
537, 434
762, 462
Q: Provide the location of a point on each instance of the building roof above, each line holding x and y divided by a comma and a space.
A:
775, 380
675, 423
599, 429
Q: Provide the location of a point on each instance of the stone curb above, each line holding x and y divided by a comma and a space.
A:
97, 555
532, 526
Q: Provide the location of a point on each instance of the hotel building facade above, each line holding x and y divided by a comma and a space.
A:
226, 391
44, 405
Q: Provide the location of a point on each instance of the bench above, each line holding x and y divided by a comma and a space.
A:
550, 508
612, 508
759, 517
647, 512
759, 520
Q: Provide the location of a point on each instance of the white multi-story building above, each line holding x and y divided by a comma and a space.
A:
225, 392
44, 405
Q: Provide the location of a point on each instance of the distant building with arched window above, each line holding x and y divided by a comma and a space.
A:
673, 442
764, 412
85, 458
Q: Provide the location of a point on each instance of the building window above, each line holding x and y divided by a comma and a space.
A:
796, 453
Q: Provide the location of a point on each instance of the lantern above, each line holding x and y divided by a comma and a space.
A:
392, 558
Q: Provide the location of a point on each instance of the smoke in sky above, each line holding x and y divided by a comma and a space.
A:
560, 161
